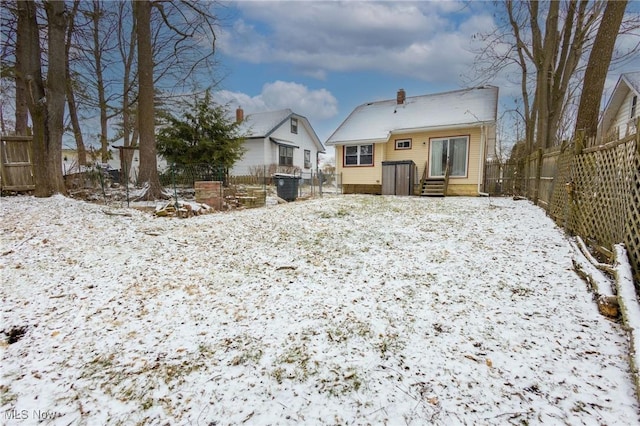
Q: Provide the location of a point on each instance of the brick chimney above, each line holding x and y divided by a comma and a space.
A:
401, 96
239, 115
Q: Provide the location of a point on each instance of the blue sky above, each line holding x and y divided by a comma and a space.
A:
324, 58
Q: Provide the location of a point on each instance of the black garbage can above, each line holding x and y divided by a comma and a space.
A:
287, 186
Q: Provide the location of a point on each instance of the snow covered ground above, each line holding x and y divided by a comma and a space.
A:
341, 310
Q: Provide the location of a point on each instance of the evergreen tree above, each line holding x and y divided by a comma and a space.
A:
206, 136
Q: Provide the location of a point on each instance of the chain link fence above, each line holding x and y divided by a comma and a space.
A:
206, 183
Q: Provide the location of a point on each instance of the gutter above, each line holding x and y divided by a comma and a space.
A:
357, 142
434, 128
483, 143
390, 133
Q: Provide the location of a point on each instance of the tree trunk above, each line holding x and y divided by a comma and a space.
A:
146, 115
127, 52
71, 101
97, 57
31, 76
75, 124
56, 89
597, 68
22, 110
544, 55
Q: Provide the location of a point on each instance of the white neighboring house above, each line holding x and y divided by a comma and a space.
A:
70, 162
620, 116
277, 141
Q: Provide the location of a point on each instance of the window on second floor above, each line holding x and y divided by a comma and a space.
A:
634, 107
294, 125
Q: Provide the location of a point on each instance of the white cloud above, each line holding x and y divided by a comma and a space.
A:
427, 40
317, 104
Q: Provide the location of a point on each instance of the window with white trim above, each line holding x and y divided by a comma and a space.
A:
453, 151
286, 156
358, 155
403, 143
307, 159
294, 125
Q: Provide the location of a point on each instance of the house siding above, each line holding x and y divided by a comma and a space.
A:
302, 139
361, 175
366, 177
253, 156
261, 152
623, 122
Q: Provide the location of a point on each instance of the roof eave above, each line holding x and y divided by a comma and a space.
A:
442, 127
613, 104
413, 130
356, 141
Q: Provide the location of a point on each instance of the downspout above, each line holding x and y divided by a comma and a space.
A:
483, 143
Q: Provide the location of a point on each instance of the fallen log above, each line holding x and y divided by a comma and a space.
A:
598, 282
115, 213
602, 266
630, 310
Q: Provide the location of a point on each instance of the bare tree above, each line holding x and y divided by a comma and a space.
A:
95, 66
598, 67
11, 64
71, 100
555, 58
127, 41
46, 107
146, 115
547, 43
100, 47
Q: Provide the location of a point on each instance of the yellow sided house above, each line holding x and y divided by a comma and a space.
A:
418, 145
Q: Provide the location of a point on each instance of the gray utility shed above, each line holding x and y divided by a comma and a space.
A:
398, 177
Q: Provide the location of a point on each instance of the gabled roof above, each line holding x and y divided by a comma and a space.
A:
633, 80
263, 124
376, 121
626, 82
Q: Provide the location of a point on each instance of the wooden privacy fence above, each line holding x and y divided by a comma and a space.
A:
592, 192
16, 164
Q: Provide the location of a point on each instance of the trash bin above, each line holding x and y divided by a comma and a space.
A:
287, 186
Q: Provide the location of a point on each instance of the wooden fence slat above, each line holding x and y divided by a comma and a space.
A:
16, 172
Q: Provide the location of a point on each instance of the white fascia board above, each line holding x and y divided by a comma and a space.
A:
413, 130
356, 142
444, 127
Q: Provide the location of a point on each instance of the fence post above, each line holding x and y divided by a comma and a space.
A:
104, 194
264, 182
173, 182
538, 173
126, 174
638, 135
579, 145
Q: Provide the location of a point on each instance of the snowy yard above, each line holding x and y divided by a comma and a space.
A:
342, 310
